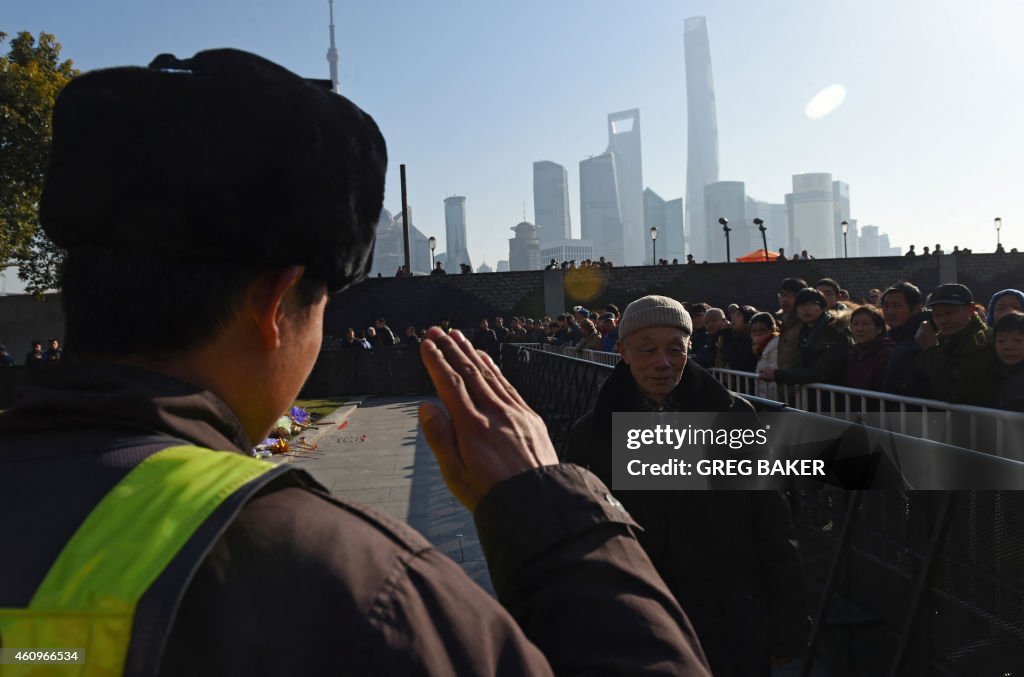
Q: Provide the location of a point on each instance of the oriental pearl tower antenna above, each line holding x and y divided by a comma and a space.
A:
332, 53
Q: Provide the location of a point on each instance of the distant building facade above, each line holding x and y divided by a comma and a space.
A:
726, 199
624, 143
869, 241
840, 213
600, 220
701, 137
524, 248
567, 250
455, 231
389, 250
672, 242
654, 217
776, 225
811, 215
551, 201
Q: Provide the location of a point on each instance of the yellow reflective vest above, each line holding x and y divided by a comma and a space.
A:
86, 604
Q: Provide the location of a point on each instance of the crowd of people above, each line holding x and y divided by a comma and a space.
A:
942, 346
35, 357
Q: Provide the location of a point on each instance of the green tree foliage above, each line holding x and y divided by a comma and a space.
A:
31, 75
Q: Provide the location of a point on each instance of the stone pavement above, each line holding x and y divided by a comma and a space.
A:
373, 452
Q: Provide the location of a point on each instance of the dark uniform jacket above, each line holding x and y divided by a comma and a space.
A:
302, 583
730, 557
902, 377
823, 351
960, 368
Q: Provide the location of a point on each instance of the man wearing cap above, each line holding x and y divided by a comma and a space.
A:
730, 557
955, 355
208, 206
609, 332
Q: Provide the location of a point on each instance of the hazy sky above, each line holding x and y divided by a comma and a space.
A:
469, 94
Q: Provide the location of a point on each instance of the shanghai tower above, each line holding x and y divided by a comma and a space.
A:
701, 135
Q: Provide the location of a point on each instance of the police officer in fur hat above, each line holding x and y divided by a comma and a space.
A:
208, 207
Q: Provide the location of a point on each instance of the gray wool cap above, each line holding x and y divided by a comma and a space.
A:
654, 311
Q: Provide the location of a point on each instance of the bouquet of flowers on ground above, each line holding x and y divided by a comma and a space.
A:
295, 421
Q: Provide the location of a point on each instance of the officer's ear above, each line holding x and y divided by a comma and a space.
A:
267, 303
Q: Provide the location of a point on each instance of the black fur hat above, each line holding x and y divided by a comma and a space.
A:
222, 157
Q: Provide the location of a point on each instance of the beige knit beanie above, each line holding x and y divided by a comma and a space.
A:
654, 311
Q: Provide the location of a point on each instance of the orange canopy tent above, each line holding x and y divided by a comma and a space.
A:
755, 256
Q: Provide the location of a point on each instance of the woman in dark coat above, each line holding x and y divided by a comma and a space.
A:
872, 349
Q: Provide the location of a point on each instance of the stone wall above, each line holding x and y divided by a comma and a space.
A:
421, 301
467, 298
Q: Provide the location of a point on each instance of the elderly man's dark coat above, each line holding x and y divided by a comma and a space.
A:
730, 557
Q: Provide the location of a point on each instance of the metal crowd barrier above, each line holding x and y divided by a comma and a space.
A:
559, 387
598, 356
903, 582
992, 431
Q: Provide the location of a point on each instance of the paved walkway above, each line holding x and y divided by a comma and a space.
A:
373, 451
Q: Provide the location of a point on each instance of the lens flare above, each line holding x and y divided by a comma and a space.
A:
825, 101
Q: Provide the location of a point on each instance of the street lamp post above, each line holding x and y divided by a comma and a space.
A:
726, 229
846, 229
654, 245
432, 243
764, 238
999, 225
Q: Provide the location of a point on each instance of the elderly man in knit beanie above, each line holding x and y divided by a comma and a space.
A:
730, 558
654, 339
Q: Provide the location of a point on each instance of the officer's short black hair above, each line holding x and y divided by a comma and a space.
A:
148, 306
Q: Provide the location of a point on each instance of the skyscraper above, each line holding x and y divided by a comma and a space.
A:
701, 135
672, 238
624, 142
812, 215
551, 201
599, 207
455, 230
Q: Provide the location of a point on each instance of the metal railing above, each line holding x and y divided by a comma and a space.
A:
561, 388
598, 356
992, 431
